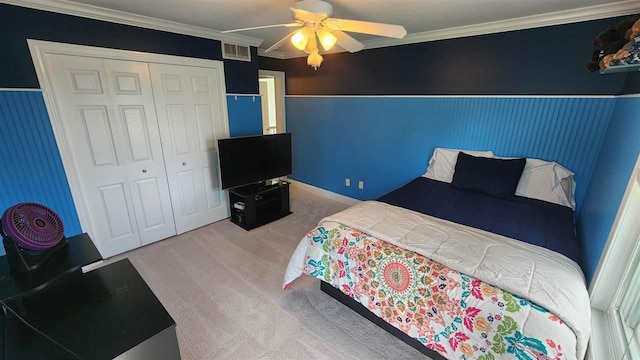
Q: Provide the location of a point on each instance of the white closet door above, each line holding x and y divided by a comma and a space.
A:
140, 142
110, 126
191, 119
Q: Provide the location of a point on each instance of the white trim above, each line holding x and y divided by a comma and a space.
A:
49, 47
617, 252
600, 345
527, 22
458, 96
325, 193
275, 54
235, 96
596, 12
92, 266
120, 17
268, 72
39, 48
21, 89
232, 94
618, 259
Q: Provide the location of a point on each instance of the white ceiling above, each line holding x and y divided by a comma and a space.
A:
424, 19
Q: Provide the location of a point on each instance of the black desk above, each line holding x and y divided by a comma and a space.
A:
106, 313
63, 265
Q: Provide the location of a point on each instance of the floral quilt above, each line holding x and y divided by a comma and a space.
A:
451, 313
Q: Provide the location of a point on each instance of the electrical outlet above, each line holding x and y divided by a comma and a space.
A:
360, 185
347, 182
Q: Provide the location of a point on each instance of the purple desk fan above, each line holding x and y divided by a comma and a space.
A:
31, 234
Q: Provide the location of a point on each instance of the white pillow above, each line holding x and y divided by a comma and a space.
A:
547, 181
443, 163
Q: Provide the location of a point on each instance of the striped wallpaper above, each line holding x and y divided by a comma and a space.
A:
31, 166
615, 163
387, 141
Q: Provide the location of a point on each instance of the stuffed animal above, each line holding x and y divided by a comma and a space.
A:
608, 36
610, 41
593, 64
630, 52
634, 31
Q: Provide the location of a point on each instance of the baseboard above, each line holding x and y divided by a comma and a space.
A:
93, 266
325, 193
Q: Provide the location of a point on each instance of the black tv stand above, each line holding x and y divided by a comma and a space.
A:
258, 204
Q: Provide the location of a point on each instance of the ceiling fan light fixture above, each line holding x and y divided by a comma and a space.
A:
327, 39
300, 39
312, 44
315, 18
314, 60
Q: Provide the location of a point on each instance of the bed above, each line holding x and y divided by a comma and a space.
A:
466, 268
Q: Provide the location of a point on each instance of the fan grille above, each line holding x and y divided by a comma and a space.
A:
33, 226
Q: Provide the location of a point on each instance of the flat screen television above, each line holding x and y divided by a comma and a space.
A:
252, 159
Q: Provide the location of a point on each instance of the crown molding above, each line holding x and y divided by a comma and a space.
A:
120, 17
274, 54
621, 8
528, 22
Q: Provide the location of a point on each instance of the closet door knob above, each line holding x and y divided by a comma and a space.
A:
184, 164
144, 170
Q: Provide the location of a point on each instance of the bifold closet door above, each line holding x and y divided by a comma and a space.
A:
108, 114
191, 119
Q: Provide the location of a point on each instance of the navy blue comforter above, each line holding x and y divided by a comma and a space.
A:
534, 221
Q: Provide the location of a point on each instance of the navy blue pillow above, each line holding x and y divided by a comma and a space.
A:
497, 177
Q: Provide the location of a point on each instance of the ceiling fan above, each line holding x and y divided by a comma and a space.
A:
314, 16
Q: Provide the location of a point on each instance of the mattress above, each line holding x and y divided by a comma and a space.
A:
533, 221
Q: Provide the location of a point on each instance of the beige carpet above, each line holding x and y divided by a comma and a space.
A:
223, 287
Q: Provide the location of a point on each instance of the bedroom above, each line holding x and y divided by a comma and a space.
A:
602, 155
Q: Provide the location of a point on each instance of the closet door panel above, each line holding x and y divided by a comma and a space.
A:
190, 118
133, 94
93, 133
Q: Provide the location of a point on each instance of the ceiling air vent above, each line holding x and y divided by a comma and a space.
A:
236, 52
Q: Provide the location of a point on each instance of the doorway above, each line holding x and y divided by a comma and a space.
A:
272, 93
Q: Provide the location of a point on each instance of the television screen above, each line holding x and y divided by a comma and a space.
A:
251, 159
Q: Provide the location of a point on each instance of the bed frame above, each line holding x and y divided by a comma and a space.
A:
360, 309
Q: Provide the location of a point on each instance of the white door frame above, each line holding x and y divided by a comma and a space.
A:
279, 78
39, 48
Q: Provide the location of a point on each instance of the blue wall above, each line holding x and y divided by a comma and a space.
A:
387, 141
20, 24
31, 166
614, 166
542, 61
632, 85
245, 115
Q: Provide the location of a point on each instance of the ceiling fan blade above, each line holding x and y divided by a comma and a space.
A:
294, 24
280, 42
365, 27
347, 42
304, 15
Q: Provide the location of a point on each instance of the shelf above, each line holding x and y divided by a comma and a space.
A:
263, 203
620, 68
623, 68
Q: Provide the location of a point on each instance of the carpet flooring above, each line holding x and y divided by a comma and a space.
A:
223, 287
